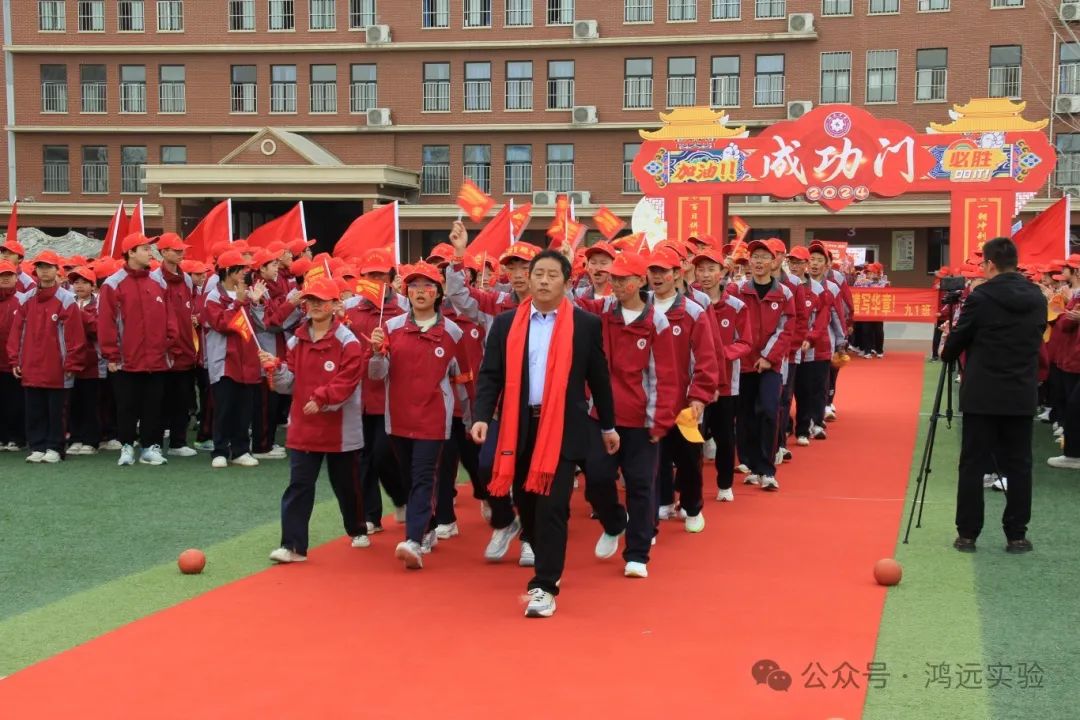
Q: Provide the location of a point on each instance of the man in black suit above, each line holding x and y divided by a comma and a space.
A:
544, 516
1000, 331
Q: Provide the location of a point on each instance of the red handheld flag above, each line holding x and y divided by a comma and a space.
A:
741, 228
374, 230
474, 201
1046, 238
608, 223
372, 291
495, 238
136, 223
214, 228
13, 222
519, 218
111, 245
283, 229
240, 324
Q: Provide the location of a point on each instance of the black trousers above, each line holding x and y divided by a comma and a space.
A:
233, 403
139, 397
1006, 441
45, 418
179, 401
110, 429
206, 406
299, 497
784, 425
935, 343
84, 419
419, 463
720, 424
379, 465
637, 458
875, 337
12, 410
461, 451
1071, 422
758, 410
680, 464
265, 414
834, 374
811, 394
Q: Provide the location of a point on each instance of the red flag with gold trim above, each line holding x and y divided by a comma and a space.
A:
519, 218
474, 201
372, 291
240, 324
608, 223
741, 228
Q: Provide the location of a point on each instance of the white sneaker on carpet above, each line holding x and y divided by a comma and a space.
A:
1001, 485
35, 457
428, 542
741, 468
75, 449
485, 510
152, 456
361, 541
751, 480
278, 452
127, 456
205, 446
666, 512
1044, 416
769, 483
802, 441
725, 495
399, 514
88, 450
447, 531
817, 432
111, 445
709, 449
636, 570
527, 557
219, 462
12, 447
830, 413
779, 459
183, 451
500, 541
270, 455
607, 545
285, 555
372, 528
245, 460
694, 523
1064, 462
51, 456
989, 479
541, 604
1059, 433
409, 552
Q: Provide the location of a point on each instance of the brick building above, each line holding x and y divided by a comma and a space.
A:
347, 103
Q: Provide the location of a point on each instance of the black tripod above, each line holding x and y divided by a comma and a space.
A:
945, 380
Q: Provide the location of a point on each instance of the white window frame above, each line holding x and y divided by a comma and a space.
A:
838, 72
53, 11
826, 5
519, 10
870, 7
132, 17
873, 68
638, 12
1006, 4
928, 6
322, 11
476, 14
715, 6
439, 15
281, 6
682, 8
776, 9
246, 19
94, 13
172, 12
562, 10
362, 14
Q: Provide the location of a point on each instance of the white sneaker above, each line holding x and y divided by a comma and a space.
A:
152, 456
447, 531
989, 479
541, 604
409, 552
500, 541
127, 456
485, 510
1044, 416
399, 514
817, 432
751, 480
89, 450
219, 462
205, 446
725, 495
12, 447
361, 541
428, 542
527, 557
768, 482
75, 449
35, 457
271, 455
51, 456
741, 468
372, 528
666, 512
1001, 484
244, 460
183, 451
694, 523
1065, 462
830, 413
779, 459
636, 570
802, 441
111, 445
1059, 433
607, 545
709, 449
285, 555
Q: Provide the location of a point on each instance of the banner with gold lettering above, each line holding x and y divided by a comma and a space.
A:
891, 304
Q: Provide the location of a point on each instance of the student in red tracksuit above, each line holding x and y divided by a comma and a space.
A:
379, 465
44, 348
232, 360
137, 329
794, 282
734, 337
84, 419
199, 274
645, 383
598, 259
699, 375
323, 371
771, 307
180, 380
12, 420
13, 251
272, 337
421, 359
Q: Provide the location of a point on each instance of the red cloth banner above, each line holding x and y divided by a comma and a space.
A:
891, 304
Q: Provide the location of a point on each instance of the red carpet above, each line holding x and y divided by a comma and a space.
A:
784, 576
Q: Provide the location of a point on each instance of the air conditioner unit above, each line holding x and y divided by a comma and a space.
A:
1069, 12
584, 115
580, 197
543, 197
1067, 104
801, 23
379, 117
376, 34
797, 108
586, 30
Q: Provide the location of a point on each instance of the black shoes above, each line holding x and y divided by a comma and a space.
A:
963, 544
1019, 546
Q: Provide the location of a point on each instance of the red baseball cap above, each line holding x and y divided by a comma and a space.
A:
1073, 261
48, 257
676, 246
276, 247
710, 254
519, 251
663, 257
776, 245
601, 248
230, 258
759, 245
6, 266
442, 251
299, 267
171, 241
376, 261
299, 245
629, 264
219, 247
322, 288
262, 257
819, 247
134, 240
241, 246
192, 267
82, 272
800, 252
14, 246
421, 269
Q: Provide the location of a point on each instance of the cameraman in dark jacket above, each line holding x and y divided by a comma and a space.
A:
1000, 331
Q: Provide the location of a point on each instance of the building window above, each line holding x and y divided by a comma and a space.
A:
477, 13
323, 89
436, 13
560, 168
1069, 69
132, 88
724, 83
560, 12
518, 170
560, 89
174, 154
130, 15
519, 85
836, 7
682, 82
884, 7
241, 15
57, 169
361, 14
518, 13
881, 76
681, 10
435, 171
95, 169
931, 74
1005, 65
282, 15
170, 16
770, 9
629, 182
244, 90
52, 16
172, 89
93, 87
436, 87
638, 84
933, 5
363, 88
54, 88
635, 11
1068, 161
726, 9
282, 88
91, 15
478, 86
322, 15
835, 77
478, 166
133, 169
769, 80
1006, 3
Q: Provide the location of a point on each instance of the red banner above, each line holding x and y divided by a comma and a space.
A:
891, 304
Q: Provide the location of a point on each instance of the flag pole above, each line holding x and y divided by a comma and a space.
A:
483, 265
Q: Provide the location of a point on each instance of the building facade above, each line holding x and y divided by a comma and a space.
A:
349, 103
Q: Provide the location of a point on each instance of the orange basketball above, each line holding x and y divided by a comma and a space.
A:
888, 572
191, 561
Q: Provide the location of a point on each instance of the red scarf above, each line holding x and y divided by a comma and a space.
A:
545, 456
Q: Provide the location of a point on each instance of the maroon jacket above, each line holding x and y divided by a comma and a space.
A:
9, 304
46, 338
182, 306
735, 337
228, 353
93, 365
772, 323
699, 372
362, 317
136, 328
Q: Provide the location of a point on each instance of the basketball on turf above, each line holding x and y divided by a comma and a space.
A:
191, 561
888, 572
